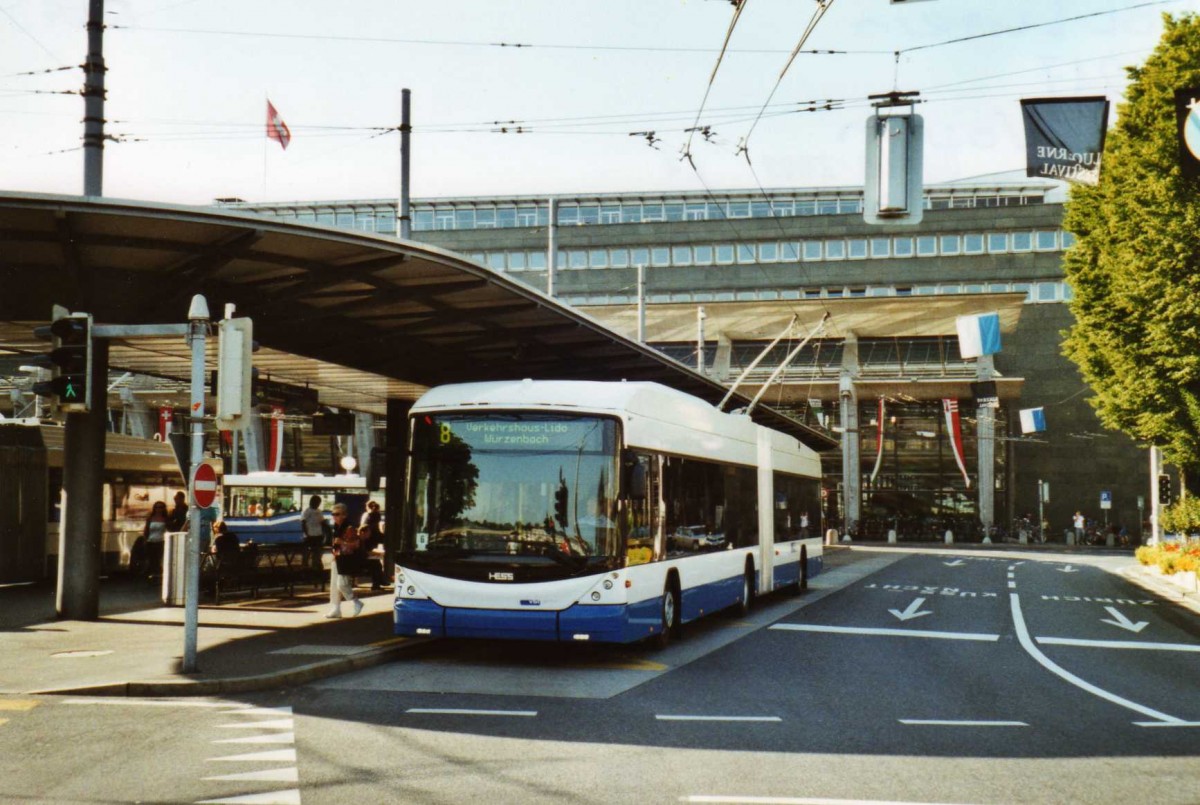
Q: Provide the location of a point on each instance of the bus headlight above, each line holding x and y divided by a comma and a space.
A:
596, 595
607, 584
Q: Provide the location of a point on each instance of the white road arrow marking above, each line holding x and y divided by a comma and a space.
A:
955, 563
1067, 569
1123, 621
911, 612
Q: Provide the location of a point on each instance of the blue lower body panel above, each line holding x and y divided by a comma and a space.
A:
604, 624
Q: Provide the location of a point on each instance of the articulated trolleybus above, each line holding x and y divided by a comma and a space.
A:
610, 512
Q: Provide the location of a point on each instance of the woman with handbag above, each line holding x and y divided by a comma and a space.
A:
347, 558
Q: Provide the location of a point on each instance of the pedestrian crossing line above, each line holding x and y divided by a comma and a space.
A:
284, 775
289, 797
271, 738
270, 756
278, 724
18, 704
259, 711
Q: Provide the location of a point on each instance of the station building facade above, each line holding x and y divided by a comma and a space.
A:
890, 296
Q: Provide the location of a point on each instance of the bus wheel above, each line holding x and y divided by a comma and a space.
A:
669, 612
747, 591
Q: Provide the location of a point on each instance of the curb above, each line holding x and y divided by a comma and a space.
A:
303, 674
1140, 576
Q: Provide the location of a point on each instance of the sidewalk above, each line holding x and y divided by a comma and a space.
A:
135, 648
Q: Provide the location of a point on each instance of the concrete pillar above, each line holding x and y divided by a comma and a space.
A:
985, 419
393, 473
720, 368
79, 539
848, 404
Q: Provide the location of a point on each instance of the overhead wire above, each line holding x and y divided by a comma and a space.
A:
822, 7
738, 7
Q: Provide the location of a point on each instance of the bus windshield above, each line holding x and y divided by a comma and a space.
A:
529, 491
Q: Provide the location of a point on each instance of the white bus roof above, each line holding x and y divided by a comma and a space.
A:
654, 416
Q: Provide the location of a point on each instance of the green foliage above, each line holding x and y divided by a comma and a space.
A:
1135, 268
1183, 517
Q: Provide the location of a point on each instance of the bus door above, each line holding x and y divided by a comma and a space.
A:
641, 508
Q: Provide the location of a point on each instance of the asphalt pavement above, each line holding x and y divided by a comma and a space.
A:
135, 646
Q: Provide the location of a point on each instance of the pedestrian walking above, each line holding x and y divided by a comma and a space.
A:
1080, 524
346, 562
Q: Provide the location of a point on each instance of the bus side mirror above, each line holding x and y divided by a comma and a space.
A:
637, 481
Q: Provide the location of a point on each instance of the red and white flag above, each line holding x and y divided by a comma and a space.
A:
277, 130
275, 456
954, 428
879, 441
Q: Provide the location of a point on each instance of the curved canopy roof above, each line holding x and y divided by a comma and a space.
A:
361, 318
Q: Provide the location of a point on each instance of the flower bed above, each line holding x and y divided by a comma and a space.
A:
1178, 560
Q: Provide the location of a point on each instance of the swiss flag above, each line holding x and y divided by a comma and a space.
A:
276, 129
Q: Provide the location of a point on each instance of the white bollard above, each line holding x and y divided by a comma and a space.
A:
949, 537
891, 536
831, 537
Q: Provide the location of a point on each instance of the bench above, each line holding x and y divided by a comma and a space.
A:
262, 567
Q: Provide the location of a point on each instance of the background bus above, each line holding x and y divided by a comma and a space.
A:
266, 506
563, 510
137, 473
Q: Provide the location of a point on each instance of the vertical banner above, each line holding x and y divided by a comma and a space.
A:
879, 438
954, 429
275, 457
1064, 137
165, 417
1187, 117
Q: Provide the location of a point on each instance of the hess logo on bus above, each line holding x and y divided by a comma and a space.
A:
500, 576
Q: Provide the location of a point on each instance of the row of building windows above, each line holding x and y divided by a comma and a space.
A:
1035, 293
475, 215
824, 249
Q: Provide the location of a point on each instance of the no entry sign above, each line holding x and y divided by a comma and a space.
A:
204, 486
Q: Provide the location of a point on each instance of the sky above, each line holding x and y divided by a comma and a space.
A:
602, 91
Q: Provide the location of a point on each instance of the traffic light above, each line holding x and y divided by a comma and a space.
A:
1164, 489
70, 359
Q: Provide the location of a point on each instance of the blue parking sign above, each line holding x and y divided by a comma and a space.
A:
1106, 500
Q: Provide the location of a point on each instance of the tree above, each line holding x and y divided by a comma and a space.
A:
1135, 267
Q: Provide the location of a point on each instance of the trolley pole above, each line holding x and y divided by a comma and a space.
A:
197, 330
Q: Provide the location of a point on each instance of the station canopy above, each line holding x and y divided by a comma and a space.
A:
361, 318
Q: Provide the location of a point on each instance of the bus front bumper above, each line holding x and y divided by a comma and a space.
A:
601, 623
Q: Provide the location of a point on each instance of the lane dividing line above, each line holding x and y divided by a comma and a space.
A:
933, 722
449, 711
1122, 644
1161, 724
712, 798
771, 719
812, 627
1033, 651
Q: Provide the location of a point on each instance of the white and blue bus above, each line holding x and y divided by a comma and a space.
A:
266, 506
609, 512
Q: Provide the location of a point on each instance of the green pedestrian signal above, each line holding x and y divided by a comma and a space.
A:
70, 359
